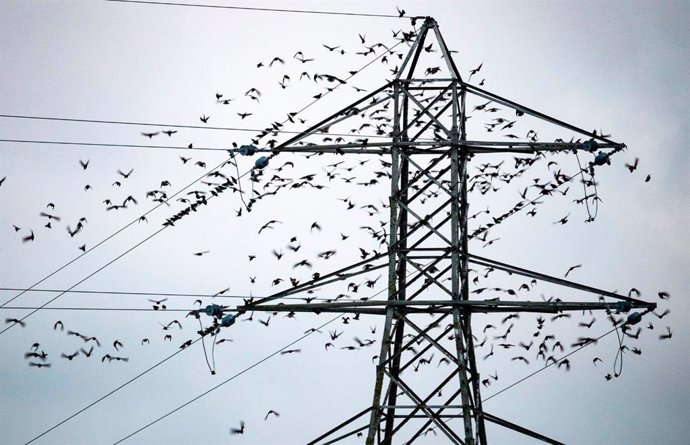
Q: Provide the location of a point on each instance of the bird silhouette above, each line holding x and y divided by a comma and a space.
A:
276, 59
632, 167
125, 175
69, 357
572, 268
85, 352
277, 414
49, 216
290, 351
666, 336
40, 365
475, 71
239, 430
15, 321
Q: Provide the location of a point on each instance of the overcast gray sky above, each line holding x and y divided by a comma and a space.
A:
620, 67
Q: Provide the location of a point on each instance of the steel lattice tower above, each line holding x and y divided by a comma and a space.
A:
426, 249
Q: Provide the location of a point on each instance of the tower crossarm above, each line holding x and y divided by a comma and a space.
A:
435, 147
442, 306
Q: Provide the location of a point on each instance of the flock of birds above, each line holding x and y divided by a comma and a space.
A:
485, 179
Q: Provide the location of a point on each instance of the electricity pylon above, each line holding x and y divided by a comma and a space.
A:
425, 248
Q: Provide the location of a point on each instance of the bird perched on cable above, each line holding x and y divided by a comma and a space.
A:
157, 304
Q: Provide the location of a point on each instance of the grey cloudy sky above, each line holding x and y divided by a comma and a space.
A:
620, 67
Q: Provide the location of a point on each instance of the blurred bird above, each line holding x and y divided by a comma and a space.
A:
239, 430
271, 412
572, 268
15, 321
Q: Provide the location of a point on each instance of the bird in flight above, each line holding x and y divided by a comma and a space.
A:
666, 336
632, 166
239, 430
125, 175
572, 268
276, 59
277, 414
268, 225
40, 365
475, 71
15, 321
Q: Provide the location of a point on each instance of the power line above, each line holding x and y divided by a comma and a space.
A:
110, 393
229, 379
124, 309
83, 279
247, 8
106, 292
100, 399
194, 399
98, 244
550, 364
306, 334
156, 147
98, 144
151, 210
144, 294
146, 124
